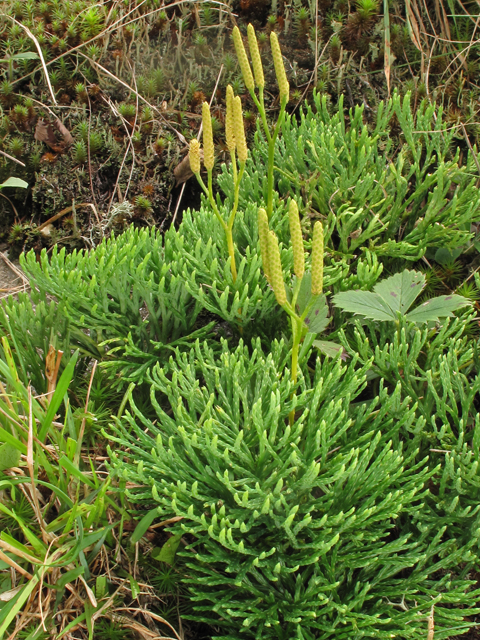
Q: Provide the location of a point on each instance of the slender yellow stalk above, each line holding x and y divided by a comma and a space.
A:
256, 58
240, 139
317, 259
208, 150
275, 268
279, 67
297, 240
263, 237
229, 122
242, 59
194, 156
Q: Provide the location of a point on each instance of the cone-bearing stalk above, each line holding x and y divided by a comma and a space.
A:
263, 238
208, 149
235, 141
242, 59
229, 125
275, 269
303, 313
271, 136
256, 58
317, 259
194, 156
282, 81
240, 140
297, 240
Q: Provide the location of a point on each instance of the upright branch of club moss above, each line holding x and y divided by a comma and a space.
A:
272, 266
257, 80
237, 144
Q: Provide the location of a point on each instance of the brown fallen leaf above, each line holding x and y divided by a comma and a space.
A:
67, 136
44, 132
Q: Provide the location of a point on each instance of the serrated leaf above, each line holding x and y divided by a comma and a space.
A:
365, 303
330, 349
167, 552
14, 182
316, 319
436, 308
401, 290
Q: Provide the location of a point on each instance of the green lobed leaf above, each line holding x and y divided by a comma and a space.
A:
394, 296
436, 308
401, 290
364, 303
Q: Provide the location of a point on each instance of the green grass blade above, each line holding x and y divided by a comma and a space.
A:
6, 617
57, 398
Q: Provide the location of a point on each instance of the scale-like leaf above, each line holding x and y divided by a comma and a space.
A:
365, 303
436, 308
401, 290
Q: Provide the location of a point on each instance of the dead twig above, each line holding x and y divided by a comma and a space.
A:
7, 155
61, 213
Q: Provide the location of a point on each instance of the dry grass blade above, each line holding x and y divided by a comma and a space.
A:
431, 624
18, 552
14, 565
413, 27
152, 615
126, 621
388, 48
52, 365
